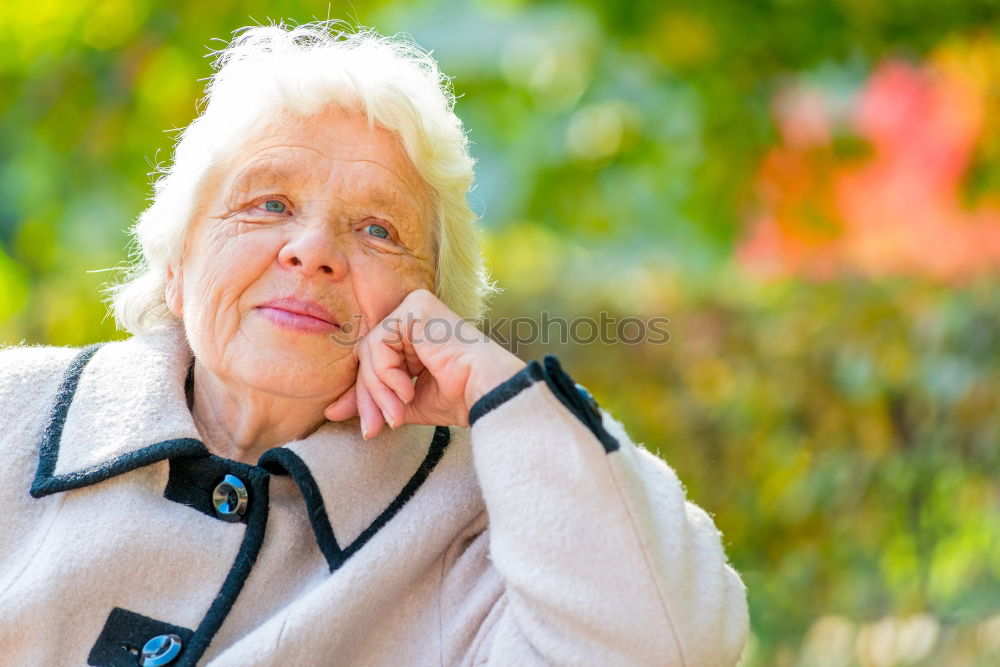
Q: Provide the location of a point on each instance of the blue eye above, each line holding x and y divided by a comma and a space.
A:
378, 230
274, 206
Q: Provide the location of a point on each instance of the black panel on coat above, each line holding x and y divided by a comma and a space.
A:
124, 635
192, 481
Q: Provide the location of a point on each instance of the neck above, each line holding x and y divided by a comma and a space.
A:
243, 424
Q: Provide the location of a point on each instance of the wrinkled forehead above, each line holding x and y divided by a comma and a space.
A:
297, 168
287, 146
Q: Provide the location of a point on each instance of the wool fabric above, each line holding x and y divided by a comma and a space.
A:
539, 535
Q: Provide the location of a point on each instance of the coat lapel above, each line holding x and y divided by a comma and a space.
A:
120, 406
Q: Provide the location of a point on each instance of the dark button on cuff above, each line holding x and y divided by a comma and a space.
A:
230, 499
160, 650
589, 400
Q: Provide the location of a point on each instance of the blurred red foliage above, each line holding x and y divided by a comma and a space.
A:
898, 208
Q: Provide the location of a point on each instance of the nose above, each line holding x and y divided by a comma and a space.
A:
314, 250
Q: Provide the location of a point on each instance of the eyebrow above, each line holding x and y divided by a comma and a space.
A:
282, 170
381, 195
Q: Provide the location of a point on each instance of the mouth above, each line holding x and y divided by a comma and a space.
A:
300, 315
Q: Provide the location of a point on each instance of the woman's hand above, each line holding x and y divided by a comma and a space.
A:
454, 364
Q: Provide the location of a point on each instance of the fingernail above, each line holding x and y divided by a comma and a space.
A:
388, 420
364, 429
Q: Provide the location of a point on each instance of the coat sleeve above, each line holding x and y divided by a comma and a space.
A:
601, 559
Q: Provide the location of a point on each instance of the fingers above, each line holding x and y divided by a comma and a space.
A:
390, 356
371, 416
388, 365
385, 385
388, 402
345, 407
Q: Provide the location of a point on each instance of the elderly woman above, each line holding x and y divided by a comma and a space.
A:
307, 454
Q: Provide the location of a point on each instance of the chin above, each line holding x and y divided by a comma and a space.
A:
299, 371
285, 363
297, 367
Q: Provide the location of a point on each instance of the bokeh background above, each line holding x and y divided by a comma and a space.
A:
809, 190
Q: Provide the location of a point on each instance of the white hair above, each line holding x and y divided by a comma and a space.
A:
303, 69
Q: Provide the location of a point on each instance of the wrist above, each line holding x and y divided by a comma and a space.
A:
490, 373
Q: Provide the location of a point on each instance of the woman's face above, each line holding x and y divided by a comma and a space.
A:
309, 235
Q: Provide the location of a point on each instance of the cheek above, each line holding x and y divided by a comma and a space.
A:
381, 283
221, 266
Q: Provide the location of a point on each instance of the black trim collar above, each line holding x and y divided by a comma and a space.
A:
282, 461
46, 482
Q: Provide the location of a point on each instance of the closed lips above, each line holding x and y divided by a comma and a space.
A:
305, 309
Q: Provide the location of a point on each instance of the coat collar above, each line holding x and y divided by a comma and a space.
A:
122, 406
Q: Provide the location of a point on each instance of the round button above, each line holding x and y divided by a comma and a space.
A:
160, 650
589, 399
230, 498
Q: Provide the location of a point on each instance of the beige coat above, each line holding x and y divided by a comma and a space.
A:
540, 535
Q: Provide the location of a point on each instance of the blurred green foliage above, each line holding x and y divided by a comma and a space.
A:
844, 434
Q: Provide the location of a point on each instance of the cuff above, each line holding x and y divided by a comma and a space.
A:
573, 396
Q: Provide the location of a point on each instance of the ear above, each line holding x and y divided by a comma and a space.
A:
173, 293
